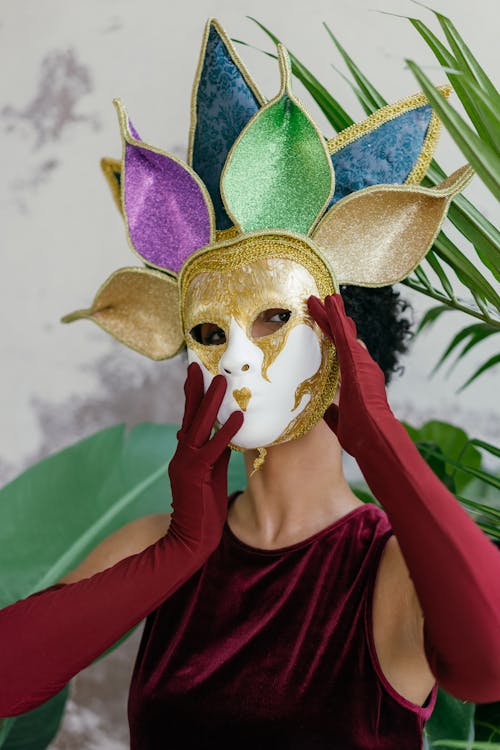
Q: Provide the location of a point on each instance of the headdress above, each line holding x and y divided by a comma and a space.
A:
349, 208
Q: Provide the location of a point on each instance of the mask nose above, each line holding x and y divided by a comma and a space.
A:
241, 354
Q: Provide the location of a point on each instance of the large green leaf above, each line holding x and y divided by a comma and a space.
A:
451, 718
36, 729
54, 513
57, 511
455, 446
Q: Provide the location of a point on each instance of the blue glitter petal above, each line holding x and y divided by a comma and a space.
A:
383, 157
224, 105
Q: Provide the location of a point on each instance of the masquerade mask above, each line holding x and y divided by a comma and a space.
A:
265, 213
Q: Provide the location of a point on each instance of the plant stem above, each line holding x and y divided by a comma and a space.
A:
455, 305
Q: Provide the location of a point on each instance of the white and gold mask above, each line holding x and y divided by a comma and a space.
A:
248, 320
238, 237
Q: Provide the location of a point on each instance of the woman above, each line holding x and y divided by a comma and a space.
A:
298, 501
310, 619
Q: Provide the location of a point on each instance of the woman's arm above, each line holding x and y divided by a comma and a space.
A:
454, 566
50, 636
128, 540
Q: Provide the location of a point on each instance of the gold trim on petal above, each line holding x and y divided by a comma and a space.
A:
127, 137
391, 112
140, 308
226, 234
285, 87
201, 59
377, 236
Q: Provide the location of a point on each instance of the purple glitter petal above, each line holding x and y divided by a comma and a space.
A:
168, 217
133, 131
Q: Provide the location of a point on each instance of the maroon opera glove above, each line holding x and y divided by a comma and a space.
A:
48, 637
454, 567
199, 466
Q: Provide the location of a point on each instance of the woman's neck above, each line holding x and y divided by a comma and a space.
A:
299, 490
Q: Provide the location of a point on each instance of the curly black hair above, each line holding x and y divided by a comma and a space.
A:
378, 314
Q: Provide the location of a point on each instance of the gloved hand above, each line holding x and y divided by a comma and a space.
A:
454, 567
363, 406
50, 636
198, 470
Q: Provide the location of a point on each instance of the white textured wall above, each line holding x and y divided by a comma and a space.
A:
62, 63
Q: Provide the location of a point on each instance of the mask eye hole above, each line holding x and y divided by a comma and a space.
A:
269, 321
208, 334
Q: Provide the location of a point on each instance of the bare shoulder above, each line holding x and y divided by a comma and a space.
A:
125, 541
398, 627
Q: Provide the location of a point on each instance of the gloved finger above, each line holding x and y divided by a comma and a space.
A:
318, 312
206, 415
219, 472
194, 391
224, 435
331, 417
339, 319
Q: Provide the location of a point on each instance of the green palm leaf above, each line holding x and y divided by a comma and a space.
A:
451, 66
466, 58
475, 333
495, 360
480, 154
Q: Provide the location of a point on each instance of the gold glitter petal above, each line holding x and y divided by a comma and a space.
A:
378, 235
111, 169
140, 308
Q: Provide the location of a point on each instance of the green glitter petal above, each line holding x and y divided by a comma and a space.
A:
278, 174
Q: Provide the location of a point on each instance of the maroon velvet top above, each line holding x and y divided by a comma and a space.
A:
273, 649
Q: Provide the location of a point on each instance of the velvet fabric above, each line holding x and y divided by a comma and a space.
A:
274, 649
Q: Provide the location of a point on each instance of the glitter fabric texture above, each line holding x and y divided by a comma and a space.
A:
140, 308
224, 100
278, 173
267, 169
393, 146
377, 236
169, 213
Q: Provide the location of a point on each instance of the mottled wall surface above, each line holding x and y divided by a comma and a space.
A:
62, 63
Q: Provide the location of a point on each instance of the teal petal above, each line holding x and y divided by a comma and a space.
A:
225, 98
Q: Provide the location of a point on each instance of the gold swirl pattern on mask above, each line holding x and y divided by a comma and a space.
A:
308, 418
211, 281
259, 284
